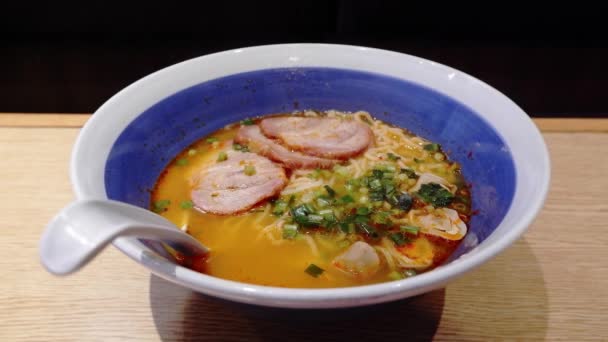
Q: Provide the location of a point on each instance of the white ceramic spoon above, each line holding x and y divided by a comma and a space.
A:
84, 228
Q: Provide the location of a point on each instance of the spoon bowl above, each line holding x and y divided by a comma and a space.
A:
83, 228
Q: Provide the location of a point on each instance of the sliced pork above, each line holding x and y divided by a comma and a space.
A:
237, 183
319, 136
259, 143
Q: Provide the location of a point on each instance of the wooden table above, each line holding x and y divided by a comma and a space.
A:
551, 285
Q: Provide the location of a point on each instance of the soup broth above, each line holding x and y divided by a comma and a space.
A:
394, 209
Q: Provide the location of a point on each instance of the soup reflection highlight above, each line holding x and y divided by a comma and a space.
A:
316, 200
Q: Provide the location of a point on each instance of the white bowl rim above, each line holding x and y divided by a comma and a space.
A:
302, 55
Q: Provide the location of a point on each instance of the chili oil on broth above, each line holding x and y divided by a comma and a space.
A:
250, 247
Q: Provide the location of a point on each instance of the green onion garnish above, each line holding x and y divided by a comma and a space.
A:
330, 191
363, 211
347, 227
435, 194
329, 219
182, 162
375, 184
247, 122
222, 156
399, 239
367, 229
212, 140
239, 147
160, 205
314, 270
290, 231
279, 208
186, 205
347, 199
395, 275
432, 147
409, 229
409, 273
322, 201
410, 173
392, 156
381, 217
341, 171
249, 170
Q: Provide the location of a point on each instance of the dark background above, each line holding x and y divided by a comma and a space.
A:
57, 57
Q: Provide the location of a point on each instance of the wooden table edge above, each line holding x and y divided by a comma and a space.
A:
52, 120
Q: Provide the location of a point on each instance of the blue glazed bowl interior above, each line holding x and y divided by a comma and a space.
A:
156, 136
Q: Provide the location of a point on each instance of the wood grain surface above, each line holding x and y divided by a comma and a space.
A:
550, 285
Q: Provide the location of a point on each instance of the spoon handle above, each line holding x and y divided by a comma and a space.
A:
83, 228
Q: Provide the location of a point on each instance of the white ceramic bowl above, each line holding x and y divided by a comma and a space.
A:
437, 100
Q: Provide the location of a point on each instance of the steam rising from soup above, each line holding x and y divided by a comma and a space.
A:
313, 200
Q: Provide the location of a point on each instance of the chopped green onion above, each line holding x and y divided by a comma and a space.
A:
186, 205
353, 182
347, 199
239, 147
247, 122
341, 170
323, 202
363, 211
325, 211
182, 162
367, 229
330, 191
375, 184
160, 205
376, 173
395, 275
388, 175
435, 194
313, 218
314, 270
361, 219
212, 140
399, 239
381, 217
432, 147
191, 152
222, 156
279, 208
393, 157
329, 219
347, 227
418, 160
410, 229
249, 170
304, 215
290, 231
376, 196
409, 273
410, 173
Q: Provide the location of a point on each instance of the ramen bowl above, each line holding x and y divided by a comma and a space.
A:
130, 139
